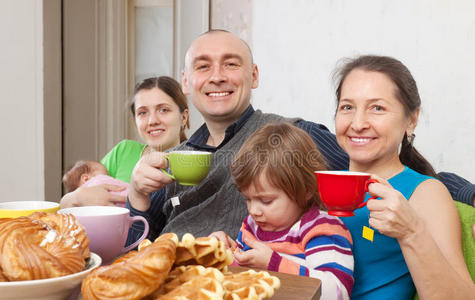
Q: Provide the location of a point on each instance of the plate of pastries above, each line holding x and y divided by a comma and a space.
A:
170, 269
46, 256
43, 256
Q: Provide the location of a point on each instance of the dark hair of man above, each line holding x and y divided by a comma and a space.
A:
406, 92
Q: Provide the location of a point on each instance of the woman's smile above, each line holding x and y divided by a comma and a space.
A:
370, 121
360, 141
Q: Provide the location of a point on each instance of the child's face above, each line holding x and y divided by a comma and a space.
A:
270, 207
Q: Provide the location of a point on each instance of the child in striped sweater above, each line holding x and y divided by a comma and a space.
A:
285, 230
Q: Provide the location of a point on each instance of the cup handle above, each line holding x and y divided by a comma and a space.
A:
142, 237
165, 172
366, 184
168, 174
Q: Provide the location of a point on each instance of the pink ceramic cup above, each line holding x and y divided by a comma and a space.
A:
107, 228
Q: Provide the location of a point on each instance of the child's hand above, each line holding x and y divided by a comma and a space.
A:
223, 237
257, 257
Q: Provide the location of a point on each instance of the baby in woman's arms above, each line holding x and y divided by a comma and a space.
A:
91, 173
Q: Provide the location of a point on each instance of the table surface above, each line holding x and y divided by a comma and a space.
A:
291, 286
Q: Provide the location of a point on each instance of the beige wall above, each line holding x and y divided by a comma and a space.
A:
192, 19
296, 45
30, 58
21, 87
234, 16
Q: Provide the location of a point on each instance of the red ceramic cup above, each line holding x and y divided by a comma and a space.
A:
343, 191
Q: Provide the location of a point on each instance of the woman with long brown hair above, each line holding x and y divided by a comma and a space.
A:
417, 234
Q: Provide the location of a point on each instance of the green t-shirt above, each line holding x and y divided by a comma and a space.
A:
121, 160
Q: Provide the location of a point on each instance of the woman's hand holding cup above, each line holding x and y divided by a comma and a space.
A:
147, 178
391, 214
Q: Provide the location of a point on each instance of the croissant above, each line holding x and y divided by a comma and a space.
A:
32, 248
71, 231
2, 277
135, 275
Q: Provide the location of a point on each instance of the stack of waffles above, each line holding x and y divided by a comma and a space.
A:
169, 269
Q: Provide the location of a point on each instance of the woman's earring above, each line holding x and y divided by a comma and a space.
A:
410, 139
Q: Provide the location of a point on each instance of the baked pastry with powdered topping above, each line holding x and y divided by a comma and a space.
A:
42, 246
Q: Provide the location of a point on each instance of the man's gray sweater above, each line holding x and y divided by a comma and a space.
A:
215, 204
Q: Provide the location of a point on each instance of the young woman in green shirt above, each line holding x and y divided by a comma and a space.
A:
160, 111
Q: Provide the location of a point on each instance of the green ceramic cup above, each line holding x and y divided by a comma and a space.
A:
188, 167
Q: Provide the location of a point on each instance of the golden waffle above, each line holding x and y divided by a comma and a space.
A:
191, 277
205, 251
182, 274
198, 288
249, 285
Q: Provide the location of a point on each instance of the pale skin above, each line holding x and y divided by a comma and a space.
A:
94, 195
427, 226
158, 119
219, 76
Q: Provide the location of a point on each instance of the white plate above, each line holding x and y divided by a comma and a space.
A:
47, 289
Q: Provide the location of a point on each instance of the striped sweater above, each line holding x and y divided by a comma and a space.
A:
318, 245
